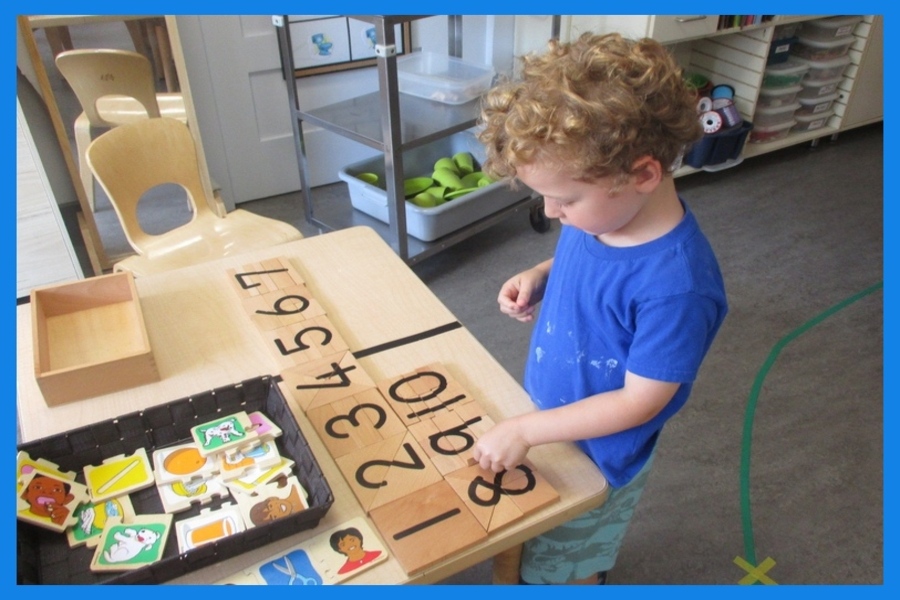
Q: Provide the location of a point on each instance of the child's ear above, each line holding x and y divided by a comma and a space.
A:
646, 173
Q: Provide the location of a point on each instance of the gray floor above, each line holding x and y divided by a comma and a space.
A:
778, 456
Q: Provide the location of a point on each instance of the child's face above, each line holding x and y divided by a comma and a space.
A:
586, 206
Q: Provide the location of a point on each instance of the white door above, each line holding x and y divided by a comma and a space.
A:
240, 99
243, 110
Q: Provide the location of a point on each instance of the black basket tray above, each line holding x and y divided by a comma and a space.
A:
44, 557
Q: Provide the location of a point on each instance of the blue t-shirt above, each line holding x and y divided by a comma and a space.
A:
651, 309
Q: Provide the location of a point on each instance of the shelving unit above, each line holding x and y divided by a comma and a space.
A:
389, 122
736, 56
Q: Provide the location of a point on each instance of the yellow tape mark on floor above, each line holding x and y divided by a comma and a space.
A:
755, 573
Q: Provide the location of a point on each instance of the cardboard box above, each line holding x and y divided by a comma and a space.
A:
90, 339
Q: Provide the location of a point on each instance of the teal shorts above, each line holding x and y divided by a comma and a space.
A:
587, 544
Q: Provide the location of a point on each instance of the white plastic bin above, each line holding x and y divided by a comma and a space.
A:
442, 78
772, 97
774, 115
825, 69
429, 224
821, 50
814, 106
816, 89
812, 122
840, 26
784, 74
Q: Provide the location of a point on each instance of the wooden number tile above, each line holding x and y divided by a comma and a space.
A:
253, 279
281, 308
423, 393
353, 422
304, 342
498, 499
325, 380
425, 526
448, 439
380, 473
282, 272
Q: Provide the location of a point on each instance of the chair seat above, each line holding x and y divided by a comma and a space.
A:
209, 238
121, 110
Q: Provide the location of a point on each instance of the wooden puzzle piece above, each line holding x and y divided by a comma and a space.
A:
49, 501
182, 463
268, 275
383, 472
234, 465
178, 496
329, 558
425, 526
282, 307
294, 567
325, 380
423, 393
304, 342
264, 427
208, 527
347, 550
119, 475
498, 499
353, 422
448, 438
92, 519
132, 545
225, 434
25, 465
272, 501
256, 477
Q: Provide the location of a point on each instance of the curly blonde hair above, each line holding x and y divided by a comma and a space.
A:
591, 107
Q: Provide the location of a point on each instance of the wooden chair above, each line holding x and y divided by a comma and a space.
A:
132, 159
114, 87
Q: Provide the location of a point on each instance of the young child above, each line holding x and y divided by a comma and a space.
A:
632, 298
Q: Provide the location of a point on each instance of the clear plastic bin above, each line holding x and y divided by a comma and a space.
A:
761, 135
840, 26
442, 78
821, 50
784, 74
815, 106
825, 69
817, 89
772, 97
811, 122
774, 115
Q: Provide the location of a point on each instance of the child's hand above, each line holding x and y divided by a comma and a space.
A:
520, 295
502, 448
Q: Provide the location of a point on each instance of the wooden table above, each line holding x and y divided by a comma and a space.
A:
202, 339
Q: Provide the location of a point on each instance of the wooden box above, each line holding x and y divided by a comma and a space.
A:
90, 339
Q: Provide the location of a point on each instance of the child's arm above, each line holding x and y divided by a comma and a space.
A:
520, 295
506, 444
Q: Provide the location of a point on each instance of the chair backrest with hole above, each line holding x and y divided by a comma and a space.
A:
96, 73
132, 159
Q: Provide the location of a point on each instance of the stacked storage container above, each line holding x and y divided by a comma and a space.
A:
823, 46
778, 101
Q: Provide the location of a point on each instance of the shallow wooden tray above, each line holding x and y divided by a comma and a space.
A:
90, 339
